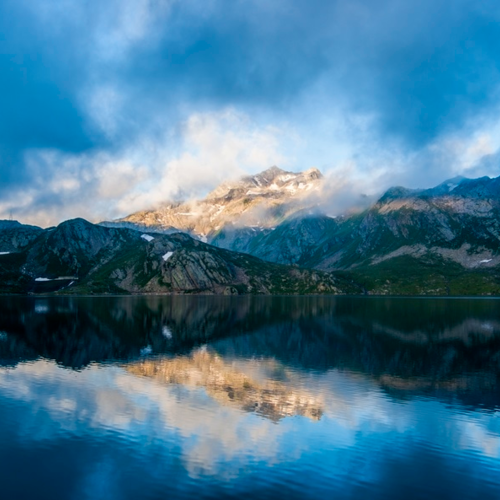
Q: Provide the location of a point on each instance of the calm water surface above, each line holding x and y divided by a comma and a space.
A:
204, 397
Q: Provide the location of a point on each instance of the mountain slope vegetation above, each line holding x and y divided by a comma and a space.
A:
80, 257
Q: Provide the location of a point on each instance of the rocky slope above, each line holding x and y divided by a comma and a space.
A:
80, 257
439, 241
258, 202
435, 241
15, 236
276, 215
458, 220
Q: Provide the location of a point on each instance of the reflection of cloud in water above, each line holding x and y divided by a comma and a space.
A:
111, 400
215, 438
476, 436
212, 435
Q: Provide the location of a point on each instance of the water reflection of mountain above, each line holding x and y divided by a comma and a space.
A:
230, 386
441, 346
78, 331
443, 369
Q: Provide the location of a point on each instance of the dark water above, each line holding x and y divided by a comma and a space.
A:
149, 397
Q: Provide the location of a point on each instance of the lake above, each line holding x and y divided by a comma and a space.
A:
249, 397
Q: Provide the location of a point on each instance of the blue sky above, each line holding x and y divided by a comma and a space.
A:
112, 106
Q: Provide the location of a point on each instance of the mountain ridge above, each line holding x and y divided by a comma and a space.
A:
461, 221
80, 257
261, 200
441, 240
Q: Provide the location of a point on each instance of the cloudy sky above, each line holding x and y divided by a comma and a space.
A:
107, 107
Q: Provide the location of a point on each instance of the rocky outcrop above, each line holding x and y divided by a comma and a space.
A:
273, 216
74, 248
439, 241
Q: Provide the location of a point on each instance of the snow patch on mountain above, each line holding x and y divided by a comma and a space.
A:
167, 256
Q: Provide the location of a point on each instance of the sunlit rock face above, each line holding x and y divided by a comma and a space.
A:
276, 215
229, 386
439, 241
259, 202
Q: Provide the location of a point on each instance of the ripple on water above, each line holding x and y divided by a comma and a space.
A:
347, 402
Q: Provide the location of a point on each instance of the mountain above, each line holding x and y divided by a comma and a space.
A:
260, 201
15, 236
267, 234
276, 216
440, 240
80, 257
458, 221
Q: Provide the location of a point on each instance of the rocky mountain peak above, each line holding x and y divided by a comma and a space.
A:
446, 187
270, 174
260, 200
452, 191
78, 229
81, 235
9, 224
277, 175
273, 179
15, 236
313, 173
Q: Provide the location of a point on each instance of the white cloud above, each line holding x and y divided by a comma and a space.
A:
193, 156
357, 161
111, 28
215, 147
108, 399
123, 23
104, 106
211, 147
